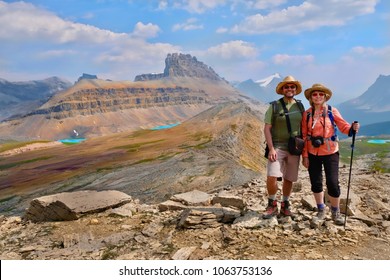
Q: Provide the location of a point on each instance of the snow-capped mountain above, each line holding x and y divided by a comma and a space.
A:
266, 81
261, 89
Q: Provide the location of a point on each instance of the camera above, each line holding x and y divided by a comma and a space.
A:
317, 141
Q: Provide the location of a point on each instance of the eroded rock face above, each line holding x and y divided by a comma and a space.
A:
102, 100
182, 65
69, 206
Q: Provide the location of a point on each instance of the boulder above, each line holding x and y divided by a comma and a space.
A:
229, 200
69, 206
193, 198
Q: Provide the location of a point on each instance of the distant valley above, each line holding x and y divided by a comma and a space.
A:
218, 142
54, 108
95, 107
221, 146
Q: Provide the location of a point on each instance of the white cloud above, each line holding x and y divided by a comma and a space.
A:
162, 5
310, 15
146, 30
190, 24
283, 59
22, 21
265, 4
222, 30
56, 53
384, 52
233, 49
198, 6
76, 47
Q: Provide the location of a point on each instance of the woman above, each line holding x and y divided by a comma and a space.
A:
322, 149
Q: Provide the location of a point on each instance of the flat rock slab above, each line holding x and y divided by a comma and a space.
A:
70, 205
193, 198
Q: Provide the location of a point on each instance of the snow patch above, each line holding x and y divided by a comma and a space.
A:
266, 81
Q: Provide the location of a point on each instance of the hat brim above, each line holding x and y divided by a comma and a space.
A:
328, 92
279, 88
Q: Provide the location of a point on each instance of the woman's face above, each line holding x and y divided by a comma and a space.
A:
318, 97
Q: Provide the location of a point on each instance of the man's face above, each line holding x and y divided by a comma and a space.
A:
289, 90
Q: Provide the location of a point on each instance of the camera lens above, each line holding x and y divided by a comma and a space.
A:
317, 141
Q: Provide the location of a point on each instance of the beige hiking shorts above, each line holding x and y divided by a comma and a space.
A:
286, 166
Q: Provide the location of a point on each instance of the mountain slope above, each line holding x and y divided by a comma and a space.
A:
96, 107
375, 129
219, 147
373, 106
18, 98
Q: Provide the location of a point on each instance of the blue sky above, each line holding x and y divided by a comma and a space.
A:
344, 44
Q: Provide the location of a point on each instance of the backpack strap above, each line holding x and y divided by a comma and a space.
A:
275, 110
300, 106
330, 114
287, 116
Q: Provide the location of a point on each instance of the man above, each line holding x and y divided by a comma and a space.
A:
280, 162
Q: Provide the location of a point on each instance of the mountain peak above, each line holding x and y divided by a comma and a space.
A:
372, 106
182, 65
266, 81
87, 77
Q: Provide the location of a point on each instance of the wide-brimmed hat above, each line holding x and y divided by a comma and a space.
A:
318, 87
289, 80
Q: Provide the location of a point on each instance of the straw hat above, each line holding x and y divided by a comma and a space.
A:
318, 87
289, 80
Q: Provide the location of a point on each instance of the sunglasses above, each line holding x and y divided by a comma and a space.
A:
290, 87
315, 94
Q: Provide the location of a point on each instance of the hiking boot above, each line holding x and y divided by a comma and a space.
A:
337, 218
271, 210
320, 217
285, 209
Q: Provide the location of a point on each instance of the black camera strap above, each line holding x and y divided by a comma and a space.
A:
330, 115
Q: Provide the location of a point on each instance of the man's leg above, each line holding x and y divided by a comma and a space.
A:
272, 207
285, 206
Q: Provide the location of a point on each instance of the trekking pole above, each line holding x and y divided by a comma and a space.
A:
350, 171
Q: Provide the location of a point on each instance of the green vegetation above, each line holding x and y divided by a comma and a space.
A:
109, 253
160, 157
14, 145
135, 147
362, 147
233, 127
381, 166
248, 165
13, 164
198, 137
7, 199
141, 132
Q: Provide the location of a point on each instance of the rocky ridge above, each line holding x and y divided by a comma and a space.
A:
86, 102
96, 107
223, 224
182, 65
19, 98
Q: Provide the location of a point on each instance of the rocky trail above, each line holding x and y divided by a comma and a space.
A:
225, 224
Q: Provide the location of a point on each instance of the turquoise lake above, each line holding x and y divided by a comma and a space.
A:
378, 141
164, 126
72, 140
